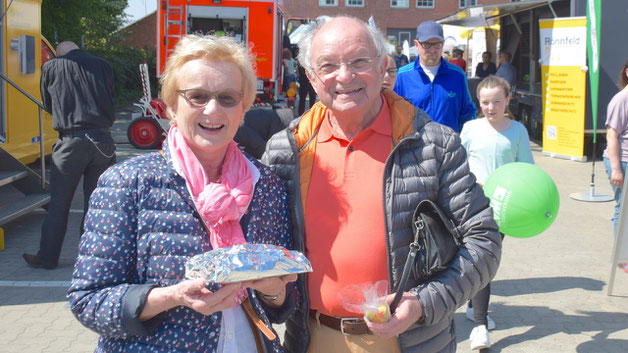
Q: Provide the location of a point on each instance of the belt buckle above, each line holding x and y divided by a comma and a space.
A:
350, 320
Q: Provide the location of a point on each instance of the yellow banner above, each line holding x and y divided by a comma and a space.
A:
564, 90
563, 57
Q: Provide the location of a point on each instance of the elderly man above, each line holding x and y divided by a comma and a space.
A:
506, 70
433, 84
357, 164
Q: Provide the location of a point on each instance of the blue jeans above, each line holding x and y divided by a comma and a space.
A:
286, 82
618, 192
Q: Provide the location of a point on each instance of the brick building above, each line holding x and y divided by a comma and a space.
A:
397, 19
141, 33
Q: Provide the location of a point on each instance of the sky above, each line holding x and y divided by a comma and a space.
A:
140, 8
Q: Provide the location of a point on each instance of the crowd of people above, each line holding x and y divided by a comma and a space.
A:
313, 184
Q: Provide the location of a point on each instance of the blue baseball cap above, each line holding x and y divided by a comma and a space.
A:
429, 30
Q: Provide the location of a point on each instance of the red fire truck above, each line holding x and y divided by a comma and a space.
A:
258, 23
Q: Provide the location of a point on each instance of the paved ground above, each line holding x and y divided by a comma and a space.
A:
549, 294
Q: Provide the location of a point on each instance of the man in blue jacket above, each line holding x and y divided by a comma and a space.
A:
434, 85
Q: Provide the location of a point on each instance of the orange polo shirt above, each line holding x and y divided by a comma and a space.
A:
344, 218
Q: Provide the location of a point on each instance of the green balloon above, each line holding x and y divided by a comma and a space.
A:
524, 199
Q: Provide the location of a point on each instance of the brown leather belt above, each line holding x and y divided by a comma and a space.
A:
346, 325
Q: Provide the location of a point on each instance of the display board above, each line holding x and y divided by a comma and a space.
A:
563, 69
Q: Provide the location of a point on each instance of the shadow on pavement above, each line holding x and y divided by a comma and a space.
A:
543, 321
603, 345
543, 285
32, 295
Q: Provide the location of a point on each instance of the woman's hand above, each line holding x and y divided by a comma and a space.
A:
192, 294
408, 312
195, 296
271, 286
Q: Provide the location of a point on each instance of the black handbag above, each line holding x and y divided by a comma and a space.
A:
436, 241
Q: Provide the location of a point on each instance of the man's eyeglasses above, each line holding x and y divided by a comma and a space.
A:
359, 65
427, 45
198, 97
391, 72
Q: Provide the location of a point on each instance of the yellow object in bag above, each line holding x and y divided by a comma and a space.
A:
292, 90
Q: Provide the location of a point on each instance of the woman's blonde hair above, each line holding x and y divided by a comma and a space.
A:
493, 81
210, 48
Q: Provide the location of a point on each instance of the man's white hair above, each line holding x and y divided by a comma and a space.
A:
305, 44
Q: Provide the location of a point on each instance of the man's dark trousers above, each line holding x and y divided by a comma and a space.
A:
306, 89
87, 154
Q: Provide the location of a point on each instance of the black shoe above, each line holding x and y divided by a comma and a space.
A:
33, 261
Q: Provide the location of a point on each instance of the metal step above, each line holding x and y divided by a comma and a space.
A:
7, 177
22, 206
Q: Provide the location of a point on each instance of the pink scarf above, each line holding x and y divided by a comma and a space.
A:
220, 204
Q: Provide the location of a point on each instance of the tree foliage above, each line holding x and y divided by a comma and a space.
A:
125, 62
96, 20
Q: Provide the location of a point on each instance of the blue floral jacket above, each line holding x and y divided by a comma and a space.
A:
140, 229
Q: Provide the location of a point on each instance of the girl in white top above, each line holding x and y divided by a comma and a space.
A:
491, 141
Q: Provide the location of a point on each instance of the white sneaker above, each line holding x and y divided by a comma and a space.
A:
469, 315
479, 338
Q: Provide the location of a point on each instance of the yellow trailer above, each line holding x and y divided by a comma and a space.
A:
23, 124
22, 52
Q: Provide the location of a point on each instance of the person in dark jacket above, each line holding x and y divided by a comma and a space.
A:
78, 89
357, 164
258, 127
486, 67
400, 58
152, 213
305, 90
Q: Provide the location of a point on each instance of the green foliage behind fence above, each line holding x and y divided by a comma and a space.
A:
125, 62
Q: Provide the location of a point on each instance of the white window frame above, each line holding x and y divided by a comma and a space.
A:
347, 4
421, 6
400, 6
400, 41
467, 3
324, 3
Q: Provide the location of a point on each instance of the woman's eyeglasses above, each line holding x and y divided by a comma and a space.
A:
198, 97
391, 72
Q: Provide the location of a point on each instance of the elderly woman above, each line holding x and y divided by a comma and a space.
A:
150, 214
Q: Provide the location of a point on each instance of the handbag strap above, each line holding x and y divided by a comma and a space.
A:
407, 268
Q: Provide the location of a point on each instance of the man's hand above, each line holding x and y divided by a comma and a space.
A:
272, 286
407, 313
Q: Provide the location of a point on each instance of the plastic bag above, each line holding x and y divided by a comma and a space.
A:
292, 90
368, 299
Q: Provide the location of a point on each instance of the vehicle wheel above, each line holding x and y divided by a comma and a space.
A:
144, 133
